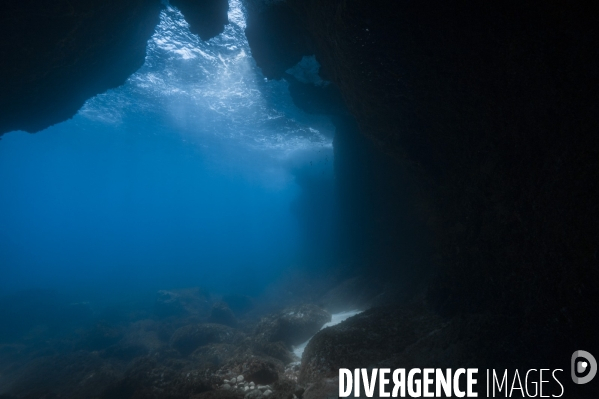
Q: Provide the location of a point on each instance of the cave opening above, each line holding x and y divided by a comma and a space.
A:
197, 170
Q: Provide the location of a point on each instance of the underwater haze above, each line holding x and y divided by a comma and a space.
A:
187, 175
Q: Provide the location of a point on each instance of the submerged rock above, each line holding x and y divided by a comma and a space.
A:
217, 355
262, 371
152, 378
354, 293
253, 395
219, 394
277, 350
326, 388
293, 325
377, 337
255, 370
221, 314
187, 339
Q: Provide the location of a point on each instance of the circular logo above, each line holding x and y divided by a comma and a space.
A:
587, 366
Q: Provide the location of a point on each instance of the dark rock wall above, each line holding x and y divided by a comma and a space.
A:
57, 54
277, 38
381, 224
206, 18
490, 114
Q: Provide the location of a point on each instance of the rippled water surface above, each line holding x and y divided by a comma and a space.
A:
212, 92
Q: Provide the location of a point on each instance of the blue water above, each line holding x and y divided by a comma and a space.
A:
185, 176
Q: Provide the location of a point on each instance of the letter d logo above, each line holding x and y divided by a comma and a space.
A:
589, 363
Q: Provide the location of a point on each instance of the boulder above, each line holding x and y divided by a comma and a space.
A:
353, 293
375, 338
255, 394
216, 354
188, 338
326, 388
219, 394
256, 370
277, 350
293, 325
285, 388
221, 314
262, 371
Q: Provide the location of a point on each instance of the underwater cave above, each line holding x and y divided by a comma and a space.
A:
243, 198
